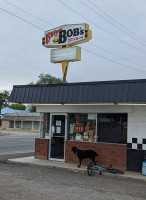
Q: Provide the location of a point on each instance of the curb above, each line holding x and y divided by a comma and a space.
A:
81, 171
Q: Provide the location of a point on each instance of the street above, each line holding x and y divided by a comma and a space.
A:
14, 144
21, 182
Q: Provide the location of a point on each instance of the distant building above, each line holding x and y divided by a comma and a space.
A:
21, 120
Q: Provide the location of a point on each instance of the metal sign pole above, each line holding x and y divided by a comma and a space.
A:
65, 65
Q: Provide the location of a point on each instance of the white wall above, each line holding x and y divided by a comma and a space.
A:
137, 126
84, 109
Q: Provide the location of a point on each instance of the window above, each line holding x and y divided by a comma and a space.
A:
82, 127
112, 128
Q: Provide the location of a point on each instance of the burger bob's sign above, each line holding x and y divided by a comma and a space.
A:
70, 34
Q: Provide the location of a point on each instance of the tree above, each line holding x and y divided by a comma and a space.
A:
44, 79
4, 96
47, 79
31, 108
17, 106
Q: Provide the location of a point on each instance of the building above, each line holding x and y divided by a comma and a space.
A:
21, 120
108, 117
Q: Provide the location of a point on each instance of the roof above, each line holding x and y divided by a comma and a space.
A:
9, 110
121, 91
22, 116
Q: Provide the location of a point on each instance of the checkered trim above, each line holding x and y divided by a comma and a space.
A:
136, 145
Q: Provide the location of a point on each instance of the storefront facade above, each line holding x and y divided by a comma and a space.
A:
108, 117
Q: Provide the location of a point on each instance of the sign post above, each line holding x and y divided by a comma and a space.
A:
64, 38
65, 65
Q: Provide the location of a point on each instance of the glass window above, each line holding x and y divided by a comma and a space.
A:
82, 127
112, 128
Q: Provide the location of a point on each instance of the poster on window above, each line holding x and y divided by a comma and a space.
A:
58, 130
58, 123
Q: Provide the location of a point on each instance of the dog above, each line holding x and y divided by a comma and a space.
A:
84, 154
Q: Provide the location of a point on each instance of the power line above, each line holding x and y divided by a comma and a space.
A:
90, 43
105, 58
28, 12
22, 19
114, 36
116, 21
117, 55
111, 23
52, 25
82, 47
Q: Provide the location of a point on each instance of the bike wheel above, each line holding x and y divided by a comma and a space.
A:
90, 167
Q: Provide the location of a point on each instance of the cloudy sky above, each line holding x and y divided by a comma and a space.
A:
117, 49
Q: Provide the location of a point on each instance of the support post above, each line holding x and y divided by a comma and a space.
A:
21, 124
32, 125
14, 124
65, 65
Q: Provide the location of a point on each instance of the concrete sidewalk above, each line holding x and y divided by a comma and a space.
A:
73, 167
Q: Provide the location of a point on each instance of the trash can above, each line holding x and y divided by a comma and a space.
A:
144, 168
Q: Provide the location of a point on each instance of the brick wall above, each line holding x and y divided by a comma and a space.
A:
114, 155
41, 148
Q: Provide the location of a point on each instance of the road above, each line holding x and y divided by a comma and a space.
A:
16, 144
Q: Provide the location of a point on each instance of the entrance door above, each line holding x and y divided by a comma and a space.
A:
57, 140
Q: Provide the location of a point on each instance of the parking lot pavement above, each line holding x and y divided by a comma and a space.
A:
73, 167
34, 182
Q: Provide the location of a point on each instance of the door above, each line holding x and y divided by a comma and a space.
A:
57, 139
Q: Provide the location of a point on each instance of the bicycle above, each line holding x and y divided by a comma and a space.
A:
91, 167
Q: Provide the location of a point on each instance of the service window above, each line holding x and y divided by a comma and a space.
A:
112, 128
82, 127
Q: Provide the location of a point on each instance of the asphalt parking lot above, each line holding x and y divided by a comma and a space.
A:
36, 182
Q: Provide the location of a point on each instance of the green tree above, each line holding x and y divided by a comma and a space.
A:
4, 96
17, 106
47, 79
44, 79
31, 108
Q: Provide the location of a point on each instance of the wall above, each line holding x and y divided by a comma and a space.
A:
5, 124
136, 141
27, 125
41, 148
36, 125
136, 131
136, 117
137, 128
114, 155
84, 109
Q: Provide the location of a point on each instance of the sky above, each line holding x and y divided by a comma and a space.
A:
117, 50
